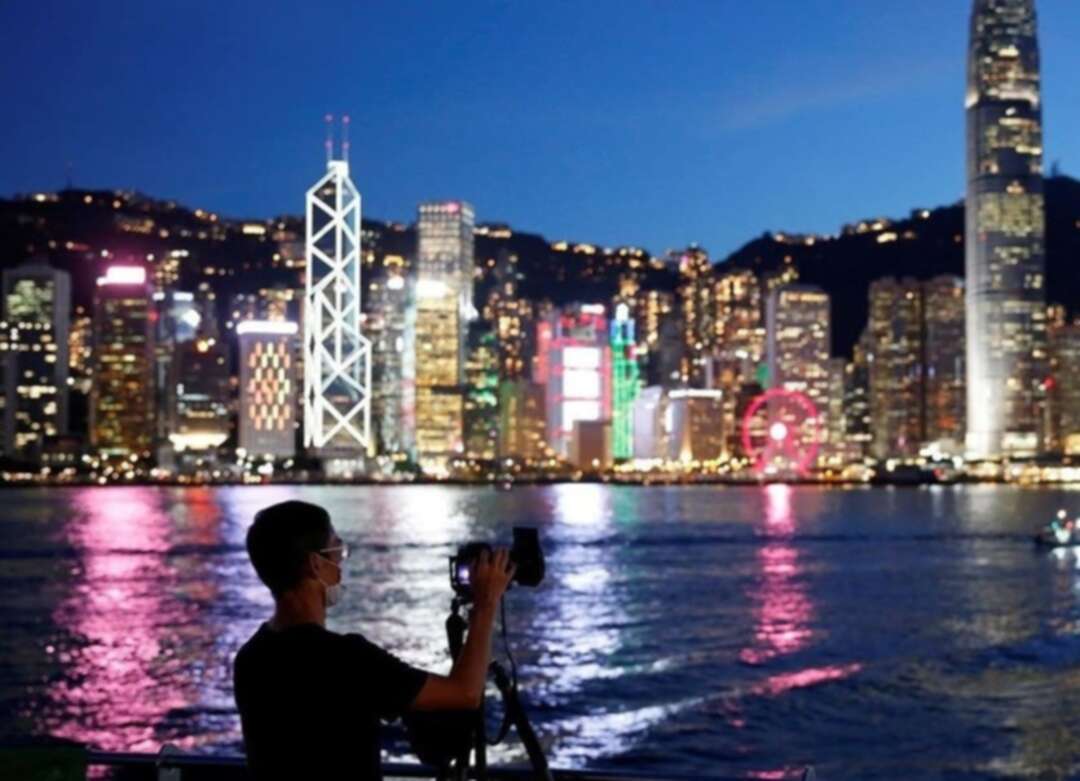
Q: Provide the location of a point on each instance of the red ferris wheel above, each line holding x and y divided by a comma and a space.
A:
781, 432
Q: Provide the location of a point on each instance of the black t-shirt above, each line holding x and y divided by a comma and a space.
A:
310, 701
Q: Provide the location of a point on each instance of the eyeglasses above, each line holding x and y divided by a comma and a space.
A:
343, 549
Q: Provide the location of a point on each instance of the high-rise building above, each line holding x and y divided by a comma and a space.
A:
269, 384
698, 312
798, 343
1004, 242
946, 397
122, 396
387, 323
897, 413
574, 365
444, 306
679, 425
625, 382
522, 421
481, 413
337, 356
37, 312
737, 363
858, 429
1065, 387
200, 418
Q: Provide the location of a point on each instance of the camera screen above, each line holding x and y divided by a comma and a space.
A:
463, 573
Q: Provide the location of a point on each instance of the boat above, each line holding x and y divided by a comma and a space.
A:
1062, 532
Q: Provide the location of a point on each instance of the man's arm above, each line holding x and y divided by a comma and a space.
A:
463, 689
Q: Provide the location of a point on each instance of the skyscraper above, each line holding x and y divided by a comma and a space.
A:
37, 312
268, 388
337, 356
944, 361
897, 412
390, 305
1004, 253
698, 312
625, 382
444, 306
122, 397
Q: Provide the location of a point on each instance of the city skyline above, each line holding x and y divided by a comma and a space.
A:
613, 184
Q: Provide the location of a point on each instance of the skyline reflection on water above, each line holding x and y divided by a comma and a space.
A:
871, 632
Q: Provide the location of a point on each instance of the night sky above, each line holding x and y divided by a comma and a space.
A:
624, 122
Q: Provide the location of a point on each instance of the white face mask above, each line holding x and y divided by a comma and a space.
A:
333, 590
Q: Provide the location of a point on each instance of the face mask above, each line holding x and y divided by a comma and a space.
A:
333, 590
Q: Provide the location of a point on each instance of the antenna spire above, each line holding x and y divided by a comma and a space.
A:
345, 138
329, 137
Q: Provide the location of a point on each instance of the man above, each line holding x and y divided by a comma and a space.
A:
310, 700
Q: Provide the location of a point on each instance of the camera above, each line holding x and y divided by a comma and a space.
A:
525, 553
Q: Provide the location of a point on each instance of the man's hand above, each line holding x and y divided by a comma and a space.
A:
463, 689
491, 575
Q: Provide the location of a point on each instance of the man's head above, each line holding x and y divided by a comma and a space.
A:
294, 548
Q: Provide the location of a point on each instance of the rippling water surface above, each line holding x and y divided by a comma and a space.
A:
874, 633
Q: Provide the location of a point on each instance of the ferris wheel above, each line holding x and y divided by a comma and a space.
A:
781, 432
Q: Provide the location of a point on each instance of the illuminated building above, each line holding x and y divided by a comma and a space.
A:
625, 382
737, 364
268, 388
122, 396
946, 396
698, 311
337, 356
858, 431
798, 344
444, 306
897, 415
1004, 242
1065, 387
178, 316
481, 414
34, 344
511, 315
200, 418
522, 421
679, 425
387, 323
574, 365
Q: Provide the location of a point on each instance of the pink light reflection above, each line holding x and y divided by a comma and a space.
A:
117, 685
782, 610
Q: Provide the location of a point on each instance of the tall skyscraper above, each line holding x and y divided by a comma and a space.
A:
268, 388
798, 341
37, 312
200, 419
698, 312
337, 356
122, 396
897, 412
444, 306
1004, 247
387, 323
625, 382
481, 406
944, 360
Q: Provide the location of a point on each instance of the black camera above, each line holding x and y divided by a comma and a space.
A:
525, 553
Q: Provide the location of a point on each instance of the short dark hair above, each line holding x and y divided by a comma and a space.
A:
281, 538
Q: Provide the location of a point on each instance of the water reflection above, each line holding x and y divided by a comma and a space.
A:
782, 609
122, 676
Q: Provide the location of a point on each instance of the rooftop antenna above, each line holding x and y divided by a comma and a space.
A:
329, 137
345, 138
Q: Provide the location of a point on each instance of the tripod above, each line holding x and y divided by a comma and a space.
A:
514, 713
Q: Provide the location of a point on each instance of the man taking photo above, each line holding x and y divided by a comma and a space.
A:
310, 700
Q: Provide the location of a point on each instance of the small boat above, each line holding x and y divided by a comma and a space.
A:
1059, 533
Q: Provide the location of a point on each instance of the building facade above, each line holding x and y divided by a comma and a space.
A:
269, 386
122, 395
1004, 234
36, 312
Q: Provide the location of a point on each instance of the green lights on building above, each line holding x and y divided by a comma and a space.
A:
625, 382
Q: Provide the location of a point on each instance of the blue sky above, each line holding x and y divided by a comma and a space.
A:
650, 123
